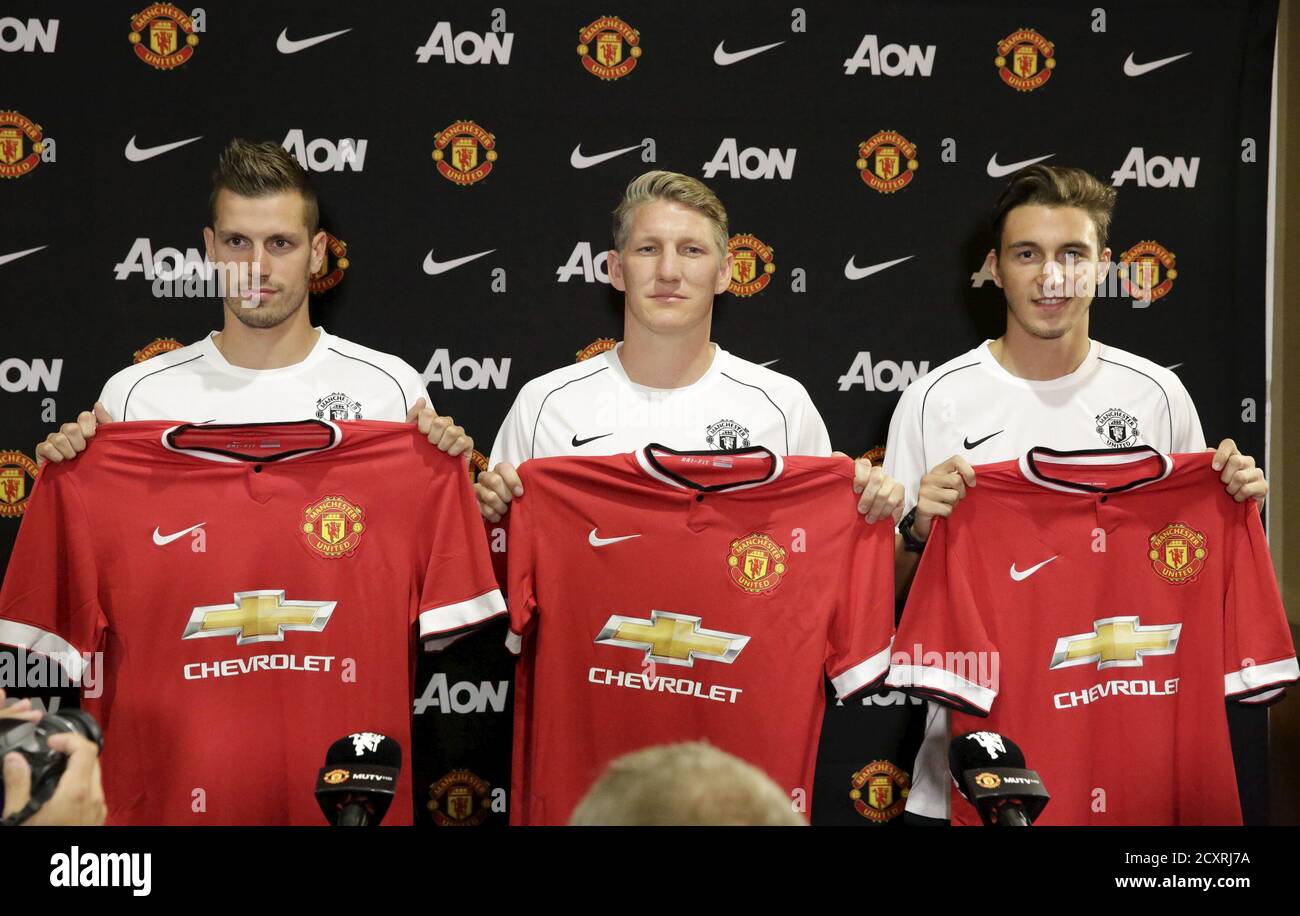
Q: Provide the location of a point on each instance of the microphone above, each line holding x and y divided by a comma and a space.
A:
989, 770
359, 779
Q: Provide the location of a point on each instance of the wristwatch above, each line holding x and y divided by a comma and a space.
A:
910, 541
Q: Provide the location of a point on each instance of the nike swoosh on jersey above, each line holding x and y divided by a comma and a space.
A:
162, 540
6, 258
968, 445
433, 268
853, 272
286, 45
1133, 68
1002, 171
135, 154
1020, 576
725, 58
576, 442
595, 541
579, 161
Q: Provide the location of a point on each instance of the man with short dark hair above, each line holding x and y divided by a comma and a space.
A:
267, 363
1042, 383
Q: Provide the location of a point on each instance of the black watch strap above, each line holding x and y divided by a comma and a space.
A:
910, 541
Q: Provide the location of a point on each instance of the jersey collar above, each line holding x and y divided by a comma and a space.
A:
1038, 460
650, 464
229, 456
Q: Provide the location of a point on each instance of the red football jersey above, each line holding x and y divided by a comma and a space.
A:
254, 590
664, 596
1096, 608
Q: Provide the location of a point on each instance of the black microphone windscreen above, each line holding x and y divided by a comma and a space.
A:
365, 747
983, 749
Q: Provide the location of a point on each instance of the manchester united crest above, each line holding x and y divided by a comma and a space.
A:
887, 161
1117, 428
163, 36
338, 406
726, 434
751, 266
756, 563
15, 468
465, 153
333, 527
158, 346
332, 267
880, 791
1147, 271
595, 348
607, 58
334, 777
1025, 60
459, 799
20, 144
478, 463
988, 780
876, 455
1177, 553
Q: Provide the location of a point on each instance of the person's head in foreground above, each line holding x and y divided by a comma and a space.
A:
684, 785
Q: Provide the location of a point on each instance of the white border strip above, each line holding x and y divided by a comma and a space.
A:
862, 674
941, 681
1257, 677
448, 618
43, 642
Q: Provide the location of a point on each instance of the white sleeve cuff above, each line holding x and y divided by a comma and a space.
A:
863, 674
43, 642
1254, 678
462, 615
943, 685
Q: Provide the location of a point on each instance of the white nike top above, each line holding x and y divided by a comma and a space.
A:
593, 408
338, 380
972, 407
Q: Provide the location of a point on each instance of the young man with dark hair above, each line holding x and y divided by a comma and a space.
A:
267, 363
1042, 383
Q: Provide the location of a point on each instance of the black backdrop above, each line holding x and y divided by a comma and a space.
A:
368, 113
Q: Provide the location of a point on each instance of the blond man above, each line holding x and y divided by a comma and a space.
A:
666, 382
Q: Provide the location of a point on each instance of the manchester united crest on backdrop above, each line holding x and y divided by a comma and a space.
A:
464, 153
1147, 271
163, 36
20, 144
332, 267
751, 266
1026, 60
609, 48
887, 161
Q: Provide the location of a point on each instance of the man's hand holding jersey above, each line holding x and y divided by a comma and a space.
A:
71, 438
495, 489
442, 431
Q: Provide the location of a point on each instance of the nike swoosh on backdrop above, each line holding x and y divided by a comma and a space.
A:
1020, 576
1002, 171
286, 45
1133, 68
433, 268
6, 258
968, 445
135, 154
727, 58
163, 540
576, 442
579, 161
853, 272
595, 541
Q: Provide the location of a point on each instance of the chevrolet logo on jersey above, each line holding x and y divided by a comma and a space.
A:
1116, 642
674, 639
260, 616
